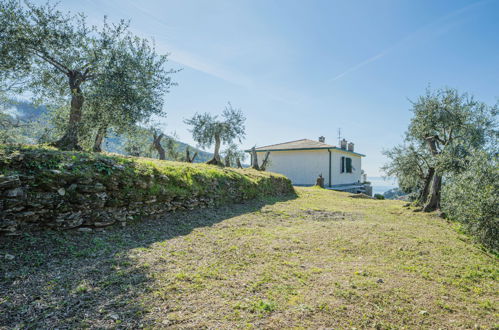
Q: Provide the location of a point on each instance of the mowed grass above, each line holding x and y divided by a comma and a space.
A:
322, 259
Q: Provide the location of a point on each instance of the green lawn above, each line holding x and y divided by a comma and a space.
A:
322, 259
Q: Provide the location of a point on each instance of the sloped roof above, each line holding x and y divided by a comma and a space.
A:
298, 144
303, 144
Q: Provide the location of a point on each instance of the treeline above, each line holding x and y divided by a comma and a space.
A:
96, 82
449, 161
23, 123
94, 78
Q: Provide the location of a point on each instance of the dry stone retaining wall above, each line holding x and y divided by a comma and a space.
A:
46, 188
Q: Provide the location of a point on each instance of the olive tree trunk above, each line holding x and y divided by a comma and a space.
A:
432, 202
157, 145
265, 162
188, 157
99, 138
69, 140
423, 195
216, 154
433, 199
254, 159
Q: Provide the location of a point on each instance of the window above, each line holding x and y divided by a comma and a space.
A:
349, 165
346, 165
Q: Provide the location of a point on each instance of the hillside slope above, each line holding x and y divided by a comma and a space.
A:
29, 113
322, 259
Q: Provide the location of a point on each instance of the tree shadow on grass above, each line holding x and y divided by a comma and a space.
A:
72, 279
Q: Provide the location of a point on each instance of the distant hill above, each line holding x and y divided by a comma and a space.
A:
202, 156
24, 110
395, 193
116, 143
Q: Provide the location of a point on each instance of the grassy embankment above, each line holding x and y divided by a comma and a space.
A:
132, 178
322, 259
44, 187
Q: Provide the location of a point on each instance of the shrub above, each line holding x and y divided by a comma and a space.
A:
472, 198
379, 196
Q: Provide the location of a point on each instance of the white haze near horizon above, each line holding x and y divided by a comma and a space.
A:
382, 184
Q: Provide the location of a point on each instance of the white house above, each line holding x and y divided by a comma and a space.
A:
302, 161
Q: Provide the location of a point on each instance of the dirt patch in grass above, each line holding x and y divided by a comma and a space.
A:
262, 264
323, 215
360, 196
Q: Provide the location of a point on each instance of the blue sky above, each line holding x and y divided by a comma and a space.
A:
301, 69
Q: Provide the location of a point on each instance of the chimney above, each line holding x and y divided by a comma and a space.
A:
343, 144
322, 139
350, 146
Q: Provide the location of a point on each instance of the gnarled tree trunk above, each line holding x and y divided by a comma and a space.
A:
265, 162
99, 138
254, 159
238, 162
69, 141
423, 195
157, 145
432, 202
216, 155
188, 157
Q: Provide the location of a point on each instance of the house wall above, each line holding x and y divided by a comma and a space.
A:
303, 167
344, 178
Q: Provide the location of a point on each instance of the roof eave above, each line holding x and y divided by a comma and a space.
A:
298, 149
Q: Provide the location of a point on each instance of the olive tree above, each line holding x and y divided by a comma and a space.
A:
11, 129
58, 58
172, 148
409, 163
208, 130
233, 156
129, 90
450, 125
188, 158
166, 146
157, 136
138, 142
446, 127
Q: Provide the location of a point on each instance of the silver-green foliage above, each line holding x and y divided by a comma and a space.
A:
233, 155
409, 164
472, 197
108, 76
446, 127
208, 129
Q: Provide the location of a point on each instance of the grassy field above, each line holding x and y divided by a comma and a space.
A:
322, 259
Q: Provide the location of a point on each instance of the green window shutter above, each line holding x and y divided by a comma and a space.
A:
349, 165
342, 165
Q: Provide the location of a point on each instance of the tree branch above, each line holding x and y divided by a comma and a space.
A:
450, 136
14, 84
51, 60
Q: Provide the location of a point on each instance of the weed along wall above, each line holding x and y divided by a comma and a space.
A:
46, 188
